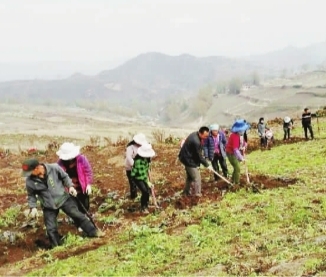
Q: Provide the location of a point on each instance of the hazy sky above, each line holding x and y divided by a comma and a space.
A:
97, 30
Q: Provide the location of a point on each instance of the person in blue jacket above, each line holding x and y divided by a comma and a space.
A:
214, 150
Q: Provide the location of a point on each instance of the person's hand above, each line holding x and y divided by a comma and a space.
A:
73, 191
150, 184
88, 190
243, 161
33, 213
210, 168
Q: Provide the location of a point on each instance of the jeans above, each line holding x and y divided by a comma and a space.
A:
219, 159
145, 190
306, 128
236, 168
71, 209
193, 181
133, 186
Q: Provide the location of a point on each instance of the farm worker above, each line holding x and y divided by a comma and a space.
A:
306, 123
49, 183
140, 173
191, 156
262, 127
131, 152
287, 126
80, 172
233, 148
214, 149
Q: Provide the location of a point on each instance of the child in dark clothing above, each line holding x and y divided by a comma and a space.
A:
140, 173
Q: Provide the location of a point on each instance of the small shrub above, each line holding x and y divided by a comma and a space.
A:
158, 135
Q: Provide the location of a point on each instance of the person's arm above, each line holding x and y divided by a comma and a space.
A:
64, 177
201, 157
206, 147
31, 197
129, 153
87, 170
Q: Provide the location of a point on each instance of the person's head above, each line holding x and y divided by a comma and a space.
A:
240, 126
203, 132
140, 139
31, 167
68, 151
214, 129
146, 151
306, 110
287, 119
261, 120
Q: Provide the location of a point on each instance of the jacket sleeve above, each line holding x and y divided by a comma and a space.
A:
31, 197
223, 139
205, 147
66, 181
129, 152
201, 157
87, 170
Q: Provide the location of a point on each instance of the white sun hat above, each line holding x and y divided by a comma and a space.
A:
146, 151
287, 119
140, 139
68, 151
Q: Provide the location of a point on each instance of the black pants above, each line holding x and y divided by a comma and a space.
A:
82, 200
145, 191
133, 187
306, 128
218, 159
287, 133
71, 209
263, 141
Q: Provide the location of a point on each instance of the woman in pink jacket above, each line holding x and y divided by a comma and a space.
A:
80, 172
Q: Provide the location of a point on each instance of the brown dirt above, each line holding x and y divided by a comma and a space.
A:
108, 167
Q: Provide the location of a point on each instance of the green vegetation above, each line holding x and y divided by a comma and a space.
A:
277, 232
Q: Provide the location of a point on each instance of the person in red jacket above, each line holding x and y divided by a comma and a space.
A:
233, 148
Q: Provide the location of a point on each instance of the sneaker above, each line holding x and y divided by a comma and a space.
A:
80, 229
198, 195
99, 234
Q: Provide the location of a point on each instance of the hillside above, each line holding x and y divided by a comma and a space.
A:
277, 230
144, 85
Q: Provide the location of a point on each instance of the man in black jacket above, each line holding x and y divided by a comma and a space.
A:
306, 123
191, 156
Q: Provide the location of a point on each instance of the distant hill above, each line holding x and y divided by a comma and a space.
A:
143, 84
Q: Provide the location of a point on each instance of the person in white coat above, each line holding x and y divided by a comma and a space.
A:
131, 152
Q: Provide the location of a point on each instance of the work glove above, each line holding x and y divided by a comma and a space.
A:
150, 184
33, 213
210, 168
73, 191
88, 190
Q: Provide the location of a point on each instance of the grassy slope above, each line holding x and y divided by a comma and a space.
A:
278, 232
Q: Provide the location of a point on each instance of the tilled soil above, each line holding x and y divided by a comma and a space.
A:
109, 182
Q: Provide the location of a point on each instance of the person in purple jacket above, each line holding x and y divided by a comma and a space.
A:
214, 150
80, 172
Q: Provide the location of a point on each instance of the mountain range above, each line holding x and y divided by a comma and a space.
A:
151, 78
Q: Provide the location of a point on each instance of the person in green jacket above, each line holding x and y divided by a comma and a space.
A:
140, 173
47, 182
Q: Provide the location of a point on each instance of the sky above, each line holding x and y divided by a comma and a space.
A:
117, 30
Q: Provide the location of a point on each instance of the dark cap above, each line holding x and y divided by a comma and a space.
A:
28, 166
